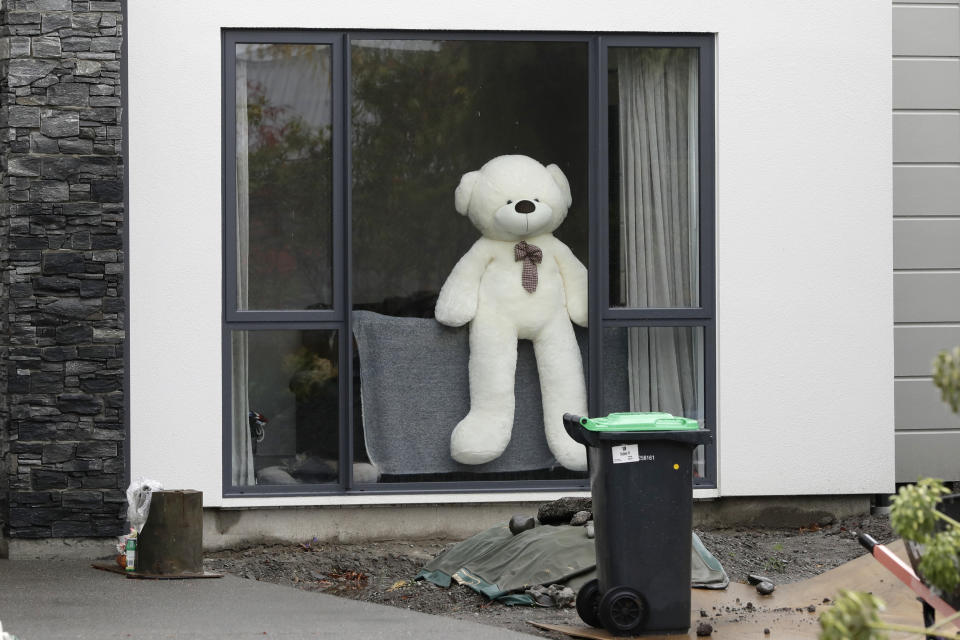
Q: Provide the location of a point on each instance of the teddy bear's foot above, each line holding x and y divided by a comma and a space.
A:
480, 437
572, 456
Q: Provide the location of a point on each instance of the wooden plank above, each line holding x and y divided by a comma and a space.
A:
926, 191
926, 137
926, 297
928, 454
914, 348
926, 243
926, 31
926, 84
917, 405
139, 575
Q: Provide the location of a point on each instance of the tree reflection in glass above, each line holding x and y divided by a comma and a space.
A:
284, 176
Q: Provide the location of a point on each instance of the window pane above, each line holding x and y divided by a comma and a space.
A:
425, 112
284, 176
655, 369
654, 229
285, 407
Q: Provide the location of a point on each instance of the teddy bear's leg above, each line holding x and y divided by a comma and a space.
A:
562, 388
485, 432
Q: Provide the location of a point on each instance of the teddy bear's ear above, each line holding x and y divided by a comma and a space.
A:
561, 181
461, 198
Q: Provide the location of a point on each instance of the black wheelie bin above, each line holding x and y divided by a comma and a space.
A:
641, 478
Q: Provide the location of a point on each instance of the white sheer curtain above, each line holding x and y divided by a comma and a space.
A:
243, 467
658, 222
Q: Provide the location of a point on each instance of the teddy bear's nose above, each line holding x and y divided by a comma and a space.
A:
525, 206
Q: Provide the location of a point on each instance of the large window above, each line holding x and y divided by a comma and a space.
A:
341, 155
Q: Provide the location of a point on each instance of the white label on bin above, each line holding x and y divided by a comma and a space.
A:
628, 453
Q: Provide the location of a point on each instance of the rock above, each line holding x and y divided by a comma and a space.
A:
704, 629
555, 595
581, 518
79, 403
590, 530
755, 579
562, 596
520, 523
811, 608
703, 614
562, 510
53, 453
26, 71
766, 631
55, 123
540, 596
765, 588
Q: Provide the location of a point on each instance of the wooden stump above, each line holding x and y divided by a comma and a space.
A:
171, 541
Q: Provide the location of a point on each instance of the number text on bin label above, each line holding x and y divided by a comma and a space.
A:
629, 453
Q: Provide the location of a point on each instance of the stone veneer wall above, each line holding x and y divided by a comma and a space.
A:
62, 305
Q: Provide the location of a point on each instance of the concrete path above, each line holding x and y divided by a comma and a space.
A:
47, 600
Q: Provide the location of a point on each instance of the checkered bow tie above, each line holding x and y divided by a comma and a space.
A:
531, 256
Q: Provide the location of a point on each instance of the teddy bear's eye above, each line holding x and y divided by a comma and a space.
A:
509, 201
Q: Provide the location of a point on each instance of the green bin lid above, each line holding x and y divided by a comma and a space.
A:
640, 422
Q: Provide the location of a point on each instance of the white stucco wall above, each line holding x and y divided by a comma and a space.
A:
804, 249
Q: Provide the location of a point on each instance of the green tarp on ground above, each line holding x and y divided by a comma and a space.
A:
501, 565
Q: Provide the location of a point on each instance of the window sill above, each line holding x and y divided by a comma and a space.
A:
414, 498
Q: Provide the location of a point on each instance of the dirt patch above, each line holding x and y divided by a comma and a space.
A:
383, 572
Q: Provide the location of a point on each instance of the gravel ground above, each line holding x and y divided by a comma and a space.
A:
383, 571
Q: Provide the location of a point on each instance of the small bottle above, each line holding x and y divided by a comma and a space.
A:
131, 549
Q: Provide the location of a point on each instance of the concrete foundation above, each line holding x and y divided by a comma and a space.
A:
227, 528
233, 528
778, 511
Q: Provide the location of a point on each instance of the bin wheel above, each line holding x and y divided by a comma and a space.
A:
622, 611
588, 603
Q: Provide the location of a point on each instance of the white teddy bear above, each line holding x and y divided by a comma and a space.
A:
517, 281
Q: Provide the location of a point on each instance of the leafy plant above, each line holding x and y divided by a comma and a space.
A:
946, 376
913, 512
854, 616
914, 516
775, 564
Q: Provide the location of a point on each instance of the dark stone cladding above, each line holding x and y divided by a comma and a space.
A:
62, 263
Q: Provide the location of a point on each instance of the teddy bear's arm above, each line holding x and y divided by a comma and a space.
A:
574, 276
457, 303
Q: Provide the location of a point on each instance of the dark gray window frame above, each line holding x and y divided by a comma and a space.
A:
601, 315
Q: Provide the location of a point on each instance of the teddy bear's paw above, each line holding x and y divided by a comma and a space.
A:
578, 313
571, 456
454, 315
480, 438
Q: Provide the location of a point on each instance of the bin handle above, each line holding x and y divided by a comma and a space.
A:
575, 429
668, 421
